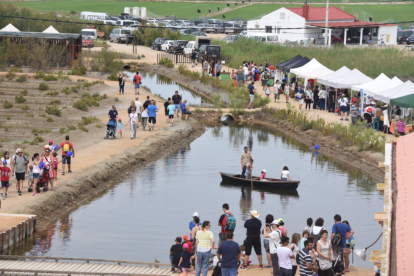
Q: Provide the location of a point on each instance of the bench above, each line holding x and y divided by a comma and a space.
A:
409, 48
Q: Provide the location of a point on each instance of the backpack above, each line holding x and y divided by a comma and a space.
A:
24, 156
265, 76
66, 147
316, 237
378, 113
231, 222
337, 239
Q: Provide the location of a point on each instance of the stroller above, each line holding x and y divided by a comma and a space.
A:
42, 181
337, 266
110, 130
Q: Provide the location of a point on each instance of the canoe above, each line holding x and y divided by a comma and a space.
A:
271, 183
246, 189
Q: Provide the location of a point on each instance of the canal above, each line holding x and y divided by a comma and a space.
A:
139, 218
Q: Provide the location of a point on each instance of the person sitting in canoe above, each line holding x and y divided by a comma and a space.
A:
263, 175
285, 174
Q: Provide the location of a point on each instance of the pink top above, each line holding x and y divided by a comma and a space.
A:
400, 127
262, 176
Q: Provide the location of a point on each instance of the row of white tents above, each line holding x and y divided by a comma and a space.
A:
12, 29
382, 88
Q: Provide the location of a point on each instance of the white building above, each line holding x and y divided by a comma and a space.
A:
309, 22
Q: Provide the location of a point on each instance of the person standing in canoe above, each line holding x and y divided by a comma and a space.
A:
245, 159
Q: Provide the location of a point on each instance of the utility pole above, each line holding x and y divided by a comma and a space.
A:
326, 23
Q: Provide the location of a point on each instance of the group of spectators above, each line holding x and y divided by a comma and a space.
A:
309, 252
43, 169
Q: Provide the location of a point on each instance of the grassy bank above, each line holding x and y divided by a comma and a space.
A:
370, 61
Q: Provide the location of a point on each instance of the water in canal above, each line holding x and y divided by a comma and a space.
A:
139, 218
165, 87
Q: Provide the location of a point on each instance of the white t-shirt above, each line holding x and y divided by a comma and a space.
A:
274, 241
343, 102
144, 114
284, 254
133, 118
316, 230
245, 70
277, 86
368, 99
285, 174
138, 105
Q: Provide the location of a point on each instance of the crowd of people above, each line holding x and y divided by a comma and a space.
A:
311, 251
41, 170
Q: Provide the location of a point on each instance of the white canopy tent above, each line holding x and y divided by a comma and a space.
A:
10, 29
310, 66
394, 82
50, 30
349, 79
404, 89
378, 83
339, 72
317, 73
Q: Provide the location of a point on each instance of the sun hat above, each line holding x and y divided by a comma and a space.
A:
50, 141
185, 245
276, 222
280, 220
46, 147
4, 161
186, 238
254, 213
196, 214
119, 119
264, 171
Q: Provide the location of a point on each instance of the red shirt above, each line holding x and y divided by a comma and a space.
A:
354, 100
137, 78
272, 67
63, 145
5, 173
190, 246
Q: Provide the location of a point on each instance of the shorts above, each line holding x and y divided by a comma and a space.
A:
152, 120
251, 98
343, 108
120, 130
66, 159
19, 176
240, 81
218, 74
370, 41
253, 241
35, 176
192, 60
187, 112
177, 107
171, 116
266, 244
301, 101
283, 179
246, 77
136, 85
167, 113
4, 184
264, 82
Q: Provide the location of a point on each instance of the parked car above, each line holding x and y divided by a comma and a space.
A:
178, 46
156, 44
127, 23
231, 38
93, 33
153, 21
87, 41
243, 33
233, 29
206, 51
202, 27
187, 31
180, 22
165, 46
410, 40
214, 28
214, 21
403, 35
198, 22
120, 35
244, 26
188, 49
198, 33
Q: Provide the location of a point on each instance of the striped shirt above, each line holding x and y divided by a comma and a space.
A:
204, 240
305, 257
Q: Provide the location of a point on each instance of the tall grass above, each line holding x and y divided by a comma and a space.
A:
369, 60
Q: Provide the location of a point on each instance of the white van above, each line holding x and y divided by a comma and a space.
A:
188, 49
265, 37
90, 32
94, 16
127, 23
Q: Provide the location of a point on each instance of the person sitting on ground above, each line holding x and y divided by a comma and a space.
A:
305, 236
263, 175
175, 254
285, 174
243, 255
185, 111
185, 259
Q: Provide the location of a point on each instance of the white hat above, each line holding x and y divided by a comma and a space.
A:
264, 171
254, 213
196, 214
276, 222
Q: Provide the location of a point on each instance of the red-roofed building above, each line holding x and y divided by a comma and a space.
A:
307, 23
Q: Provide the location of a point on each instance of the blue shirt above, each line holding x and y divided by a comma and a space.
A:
151, 110
183, 108
228, 251
170, 109
342, 229
251, 88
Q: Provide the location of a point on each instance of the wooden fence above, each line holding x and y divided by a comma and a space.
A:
18, 232
178, 58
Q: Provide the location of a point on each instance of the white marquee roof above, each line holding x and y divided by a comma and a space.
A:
50, 30
404, 89
324, 79
312, 70
378, 83
10, 29
349, 79
391, 84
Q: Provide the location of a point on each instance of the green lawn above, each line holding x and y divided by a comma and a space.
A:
182, 10
379, 13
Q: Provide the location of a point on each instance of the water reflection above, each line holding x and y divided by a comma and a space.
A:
134, 214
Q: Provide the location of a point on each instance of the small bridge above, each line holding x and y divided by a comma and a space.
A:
31, 265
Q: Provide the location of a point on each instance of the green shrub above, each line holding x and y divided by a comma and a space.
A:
81, 105
113, 76
198, 110
306, 126
29, 115
21, 78
239, 98
7, 104
54, 102
37, 140
116, 99
8, 117
43, 86
104, 96
260, 101
166, 62
39, 74
71, 127
83, 128
25, 107
52, 93
54, 110
43, 115
67, 90
78, 71
74, 89
50, 77
88, 120
24, 92
10, 75
50, 120
98, 125
63, 130
19, 99
47, 130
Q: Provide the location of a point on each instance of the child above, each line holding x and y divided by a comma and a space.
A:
30, 176
51, 146
263, 175
305, 236
267, 90
243, 255
120, 125
171, 113
285, 174
36, 172
55, 163
5, 178
249, 169
185, 259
